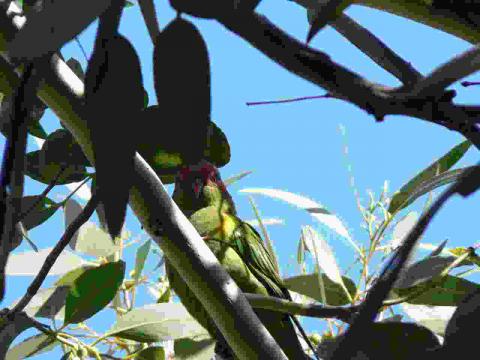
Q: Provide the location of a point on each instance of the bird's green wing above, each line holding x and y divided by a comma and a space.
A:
251, 248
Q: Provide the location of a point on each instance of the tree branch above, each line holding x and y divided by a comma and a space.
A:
293, 308
376, 50
341, 83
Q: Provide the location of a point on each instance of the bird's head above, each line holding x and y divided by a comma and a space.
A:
197, 177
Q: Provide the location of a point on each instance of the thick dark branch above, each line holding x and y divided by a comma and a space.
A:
376, 49
318, 68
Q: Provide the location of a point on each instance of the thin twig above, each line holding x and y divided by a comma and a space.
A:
56, 251
77, 40
43, 195
269, 102
293, 308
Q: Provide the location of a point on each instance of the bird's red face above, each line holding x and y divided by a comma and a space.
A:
201, 175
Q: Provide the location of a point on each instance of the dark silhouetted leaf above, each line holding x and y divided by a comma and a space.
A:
161, 142
176, 78
114, 138
60, 147
390, 340
461, 333
325, 12
39, 210
41, 169
47, 30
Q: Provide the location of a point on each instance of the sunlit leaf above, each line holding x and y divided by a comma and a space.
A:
235, 178
308, 285
30, 262
157, 322
142, 253
33, 345
302, 202
316, 244
438, 167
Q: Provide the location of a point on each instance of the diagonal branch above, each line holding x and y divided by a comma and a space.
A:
376, 50
445, 75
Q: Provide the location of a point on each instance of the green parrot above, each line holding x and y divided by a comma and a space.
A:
202, 196
460, 18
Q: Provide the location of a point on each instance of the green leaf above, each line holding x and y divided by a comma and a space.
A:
129, 4
37, 130
425, 187
152, 353
62, 148
33, 345
92, 291
166, 296
141, 256
218, 148
438, 167
235, 178
309, 285
157, 322
43, 210
192, 349
44, 171
449, 292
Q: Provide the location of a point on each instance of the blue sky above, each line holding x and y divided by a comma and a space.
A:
298, 147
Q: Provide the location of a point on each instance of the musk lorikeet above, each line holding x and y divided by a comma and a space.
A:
202, 196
